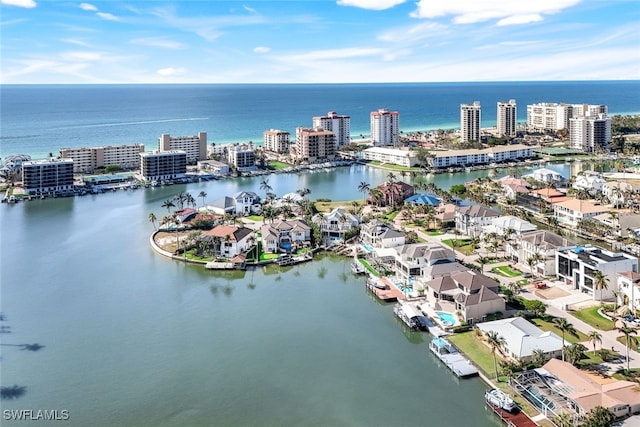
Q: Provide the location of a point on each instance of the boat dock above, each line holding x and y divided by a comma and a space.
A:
384, 289
450, 356
516, 420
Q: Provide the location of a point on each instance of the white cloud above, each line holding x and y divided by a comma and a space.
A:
262, 49
157, 42
20, 3
88, 7
107, 16
171, 71
332, 54
508, 12
414, 33
371, 4
76, 42
249, 9
81, 56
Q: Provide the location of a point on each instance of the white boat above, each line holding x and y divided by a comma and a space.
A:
450, 356
501, 400
357, 267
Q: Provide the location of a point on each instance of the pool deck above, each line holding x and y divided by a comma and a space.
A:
391, 294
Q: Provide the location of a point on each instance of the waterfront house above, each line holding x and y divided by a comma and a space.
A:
540, 246
335, 225
511, 229
522, 338
512, 186
471, 219
580, 391
473, 295
247, 202
446, 215
589, 181
377, 234
570, 212
229, 240
213, 167
422, 199
628, 285
285, 236
411, 260
577, 265
546, 176
619, 192
223, 205
391, 194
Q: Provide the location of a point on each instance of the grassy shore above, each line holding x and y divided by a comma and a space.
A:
329, 206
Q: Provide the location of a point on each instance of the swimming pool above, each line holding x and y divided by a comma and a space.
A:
447, 319
367, 247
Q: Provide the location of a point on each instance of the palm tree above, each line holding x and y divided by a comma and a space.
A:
496, 342
364, 188
190, 200
168, 204
595, 337
153, 219
565, 327
600, 281
202, 195
180, 198
264, 185
629, 340
563, 419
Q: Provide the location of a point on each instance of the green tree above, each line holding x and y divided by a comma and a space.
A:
600, 281
153, 219
264, 185
566, 328
629, 338
495, 342
203, 196
595, 337
364, 188
563, 419
598, 417
539, 358
168, 204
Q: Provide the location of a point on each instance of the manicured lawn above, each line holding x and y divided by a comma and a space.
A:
274, 164
255, 217
191, 255
268, 257
394, 167
505, 271
464, 246
329, 206
550, 326
435, 233
471, 345
622, 340
368, 267
591, 316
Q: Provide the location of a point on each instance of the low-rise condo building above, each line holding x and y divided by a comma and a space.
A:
390, 155
242, 157
277, 141
472, 157
47, 176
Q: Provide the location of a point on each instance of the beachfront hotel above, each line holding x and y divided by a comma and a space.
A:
589, 133
88, 159
338, 124
163, 165
45, 176
385, 127
277, 141
314, 145
470, 122
507, 116
194, 146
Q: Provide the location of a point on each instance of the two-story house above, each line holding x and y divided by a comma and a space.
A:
572, 211
229, 240
576, 266
285, 236
377, 234
540, 246
411, 260
471, 219
335, 225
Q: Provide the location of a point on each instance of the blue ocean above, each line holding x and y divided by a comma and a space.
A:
41, 119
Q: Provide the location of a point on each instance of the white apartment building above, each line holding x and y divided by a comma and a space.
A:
163, 165
87, 159
277, 141
242, 156
385, 127
45, 176
496, 154
340, 125
390, 155
577, 265
507, 118
588, 133
194, 146
555, 116
470, 118
314, 145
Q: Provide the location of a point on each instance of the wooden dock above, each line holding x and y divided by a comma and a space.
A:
513, 420
389, 294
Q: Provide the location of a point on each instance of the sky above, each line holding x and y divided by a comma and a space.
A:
328, 41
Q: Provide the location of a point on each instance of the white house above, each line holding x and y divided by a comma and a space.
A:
540, 246
471, 219
589, 181
247, 202
335, 225
522, 338
617, 192
229, 240
577, 265
572, 211
380, 235
411, 260
629, 290
545, 175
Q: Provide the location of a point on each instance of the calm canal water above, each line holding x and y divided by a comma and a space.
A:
134, 339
